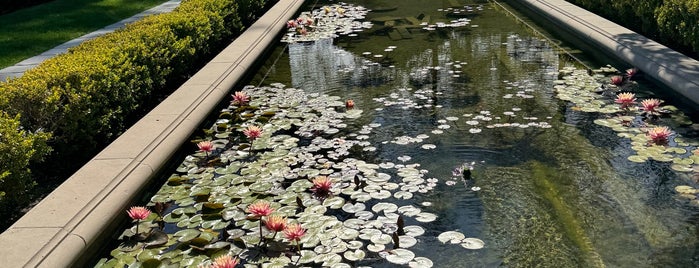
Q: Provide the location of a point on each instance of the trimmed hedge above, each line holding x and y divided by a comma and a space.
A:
672, 22
85, 98
17, 148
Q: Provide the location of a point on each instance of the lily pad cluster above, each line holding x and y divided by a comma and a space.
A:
327, 22
303, 137
588, 94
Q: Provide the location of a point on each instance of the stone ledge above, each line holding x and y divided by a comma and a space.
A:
66, 227
671, 68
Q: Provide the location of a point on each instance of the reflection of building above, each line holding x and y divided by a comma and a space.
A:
322, 67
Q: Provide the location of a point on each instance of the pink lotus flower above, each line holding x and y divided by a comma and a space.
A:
309, 21
651, 105
253, 132
626, 99
659, 135
321, 186
349, 104
240, 98
275, 223
260, 208
138, 213
225, 261
631, 72
617, 80
205, 146
294, 232
291, 24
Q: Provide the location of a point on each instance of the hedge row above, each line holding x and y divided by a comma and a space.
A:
85, 98
673, 22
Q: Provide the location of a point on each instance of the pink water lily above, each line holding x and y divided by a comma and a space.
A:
240, 98
206, 147
321, 186
651, 105
659, 135
253, 132
617, 80
275, 223
138, 213
349, 104
225, 261
631, 72
626, 99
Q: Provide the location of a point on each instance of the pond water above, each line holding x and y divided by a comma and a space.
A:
554, 183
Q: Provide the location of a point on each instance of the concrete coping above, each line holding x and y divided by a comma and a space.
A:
69, 225
677, 71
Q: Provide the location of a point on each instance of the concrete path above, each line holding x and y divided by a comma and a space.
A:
18, 69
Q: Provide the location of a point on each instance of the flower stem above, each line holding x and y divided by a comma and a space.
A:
261, 238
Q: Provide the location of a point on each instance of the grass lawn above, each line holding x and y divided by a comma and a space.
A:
31, 31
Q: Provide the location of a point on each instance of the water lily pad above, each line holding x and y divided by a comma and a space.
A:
354, 255
420, 262
451, 237
386, 207
400, 256
425, 217
472, 243
353, 208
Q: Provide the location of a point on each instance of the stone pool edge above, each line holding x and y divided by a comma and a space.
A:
674, 69
66, 225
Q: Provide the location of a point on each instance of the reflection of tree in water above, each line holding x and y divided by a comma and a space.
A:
321, 66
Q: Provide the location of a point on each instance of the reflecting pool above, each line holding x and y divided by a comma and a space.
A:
488, 116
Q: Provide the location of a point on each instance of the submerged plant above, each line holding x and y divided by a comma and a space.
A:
463, 171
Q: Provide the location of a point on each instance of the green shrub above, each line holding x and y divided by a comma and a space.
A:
85, 98
17, 149
679, 20
672, 22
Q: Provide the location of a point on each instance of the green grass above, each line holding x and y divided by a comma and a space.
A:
31, 31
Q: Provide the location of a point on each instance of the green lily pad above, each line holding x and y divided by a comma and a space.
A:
400, 256
473, 243
451, 237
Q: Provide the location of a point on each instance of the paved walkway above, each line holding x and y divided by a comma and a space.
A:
21, 67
